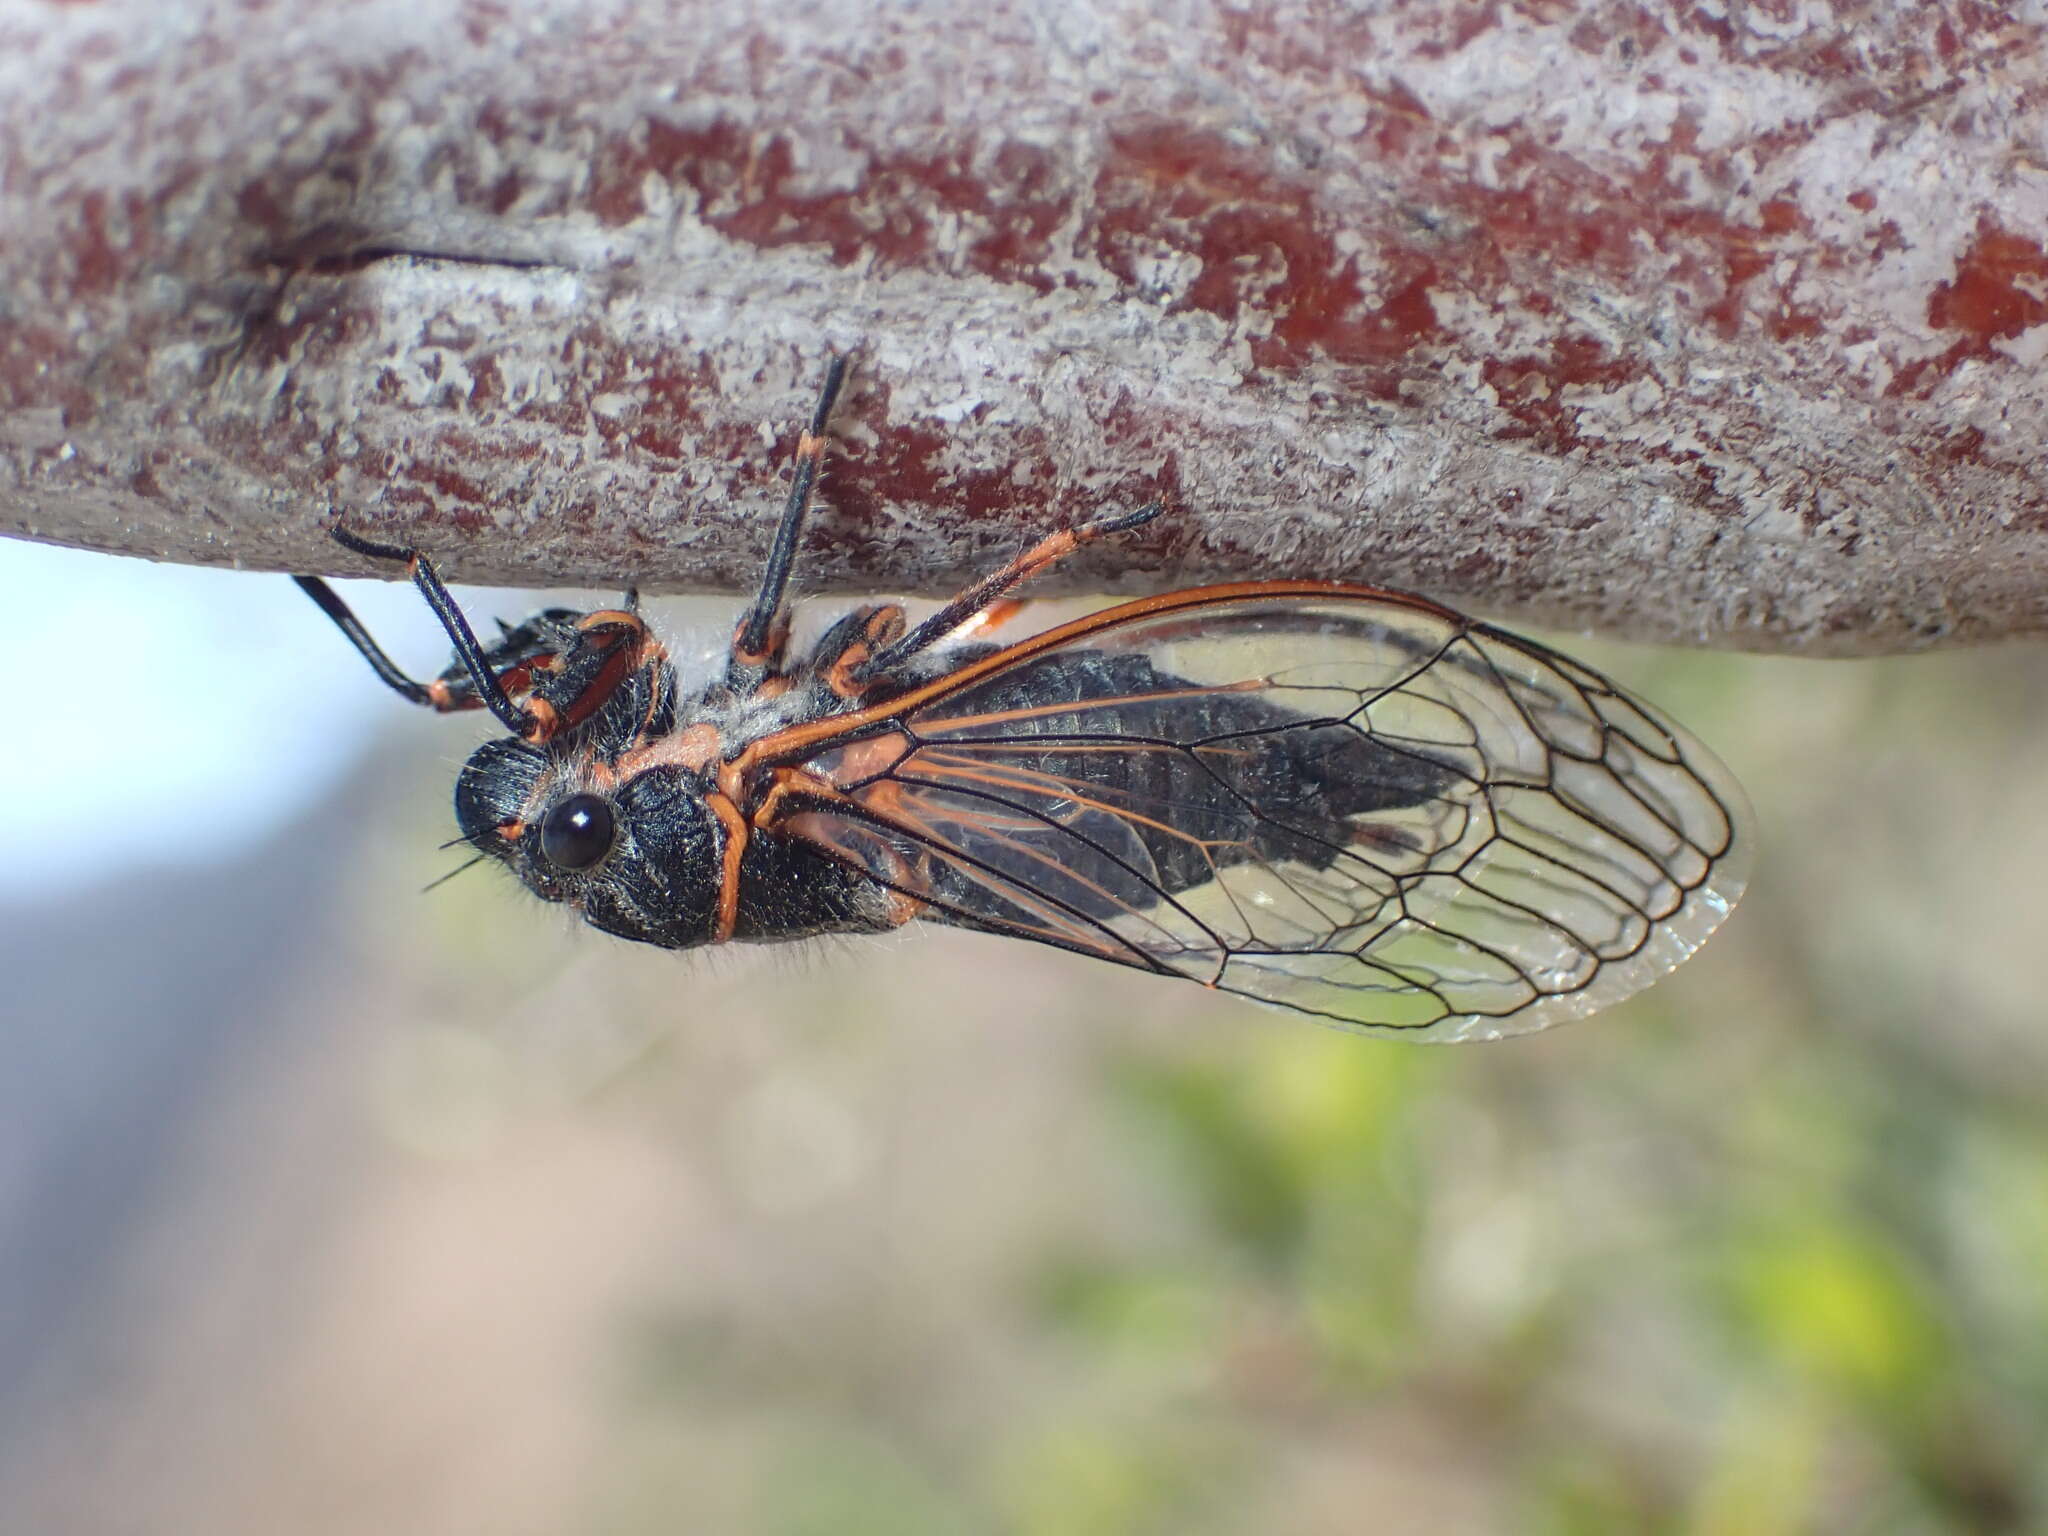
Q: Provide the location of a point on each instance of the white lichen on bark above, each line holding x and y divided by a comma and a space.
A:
1716, 325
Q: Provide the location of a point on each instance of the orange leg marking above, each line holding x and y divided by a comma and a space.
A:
737, 831
770, 655
655, 694
547, 721
993, 617
883, 624
786, 782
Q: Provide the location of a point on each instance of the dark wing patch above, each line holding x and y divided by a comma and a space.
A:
1348, 804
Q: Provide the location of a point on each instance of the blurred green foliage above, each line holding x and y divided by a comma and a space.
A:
944, 1234
1764, 1251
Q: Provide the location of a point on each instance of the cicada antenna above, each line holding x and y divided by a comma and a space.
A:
441, 880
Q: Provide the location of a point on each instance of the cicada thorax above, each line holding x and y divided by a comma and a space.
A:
680, 863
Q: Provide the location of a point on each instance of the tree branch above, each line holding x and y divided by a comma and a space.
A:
1707, 323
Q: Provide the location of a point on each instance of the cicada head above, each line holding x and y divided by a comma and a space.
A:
639, 857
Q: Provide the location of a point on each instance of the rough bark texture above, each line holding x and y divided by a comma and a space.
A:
1714, 320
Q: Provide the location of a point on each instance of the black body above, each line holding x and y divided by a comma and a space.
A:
1286, 792
1479, 836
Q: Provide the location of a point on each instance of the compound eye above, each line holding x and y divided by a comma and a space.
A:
577, 833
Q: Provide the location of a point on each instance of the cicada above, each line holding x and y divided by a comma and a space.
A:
1351, 802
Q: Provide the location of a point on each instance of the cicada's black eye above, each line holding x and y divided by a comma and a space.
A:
577, 833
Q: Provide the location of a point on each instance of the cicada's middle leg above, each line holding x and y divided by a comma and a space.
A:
763, 632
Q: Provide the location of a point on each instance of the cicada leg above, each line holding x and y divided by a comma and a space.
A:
763, 631
488, 689
994, 588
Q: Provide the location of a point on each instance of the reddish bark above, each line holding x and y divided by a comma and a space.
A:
1699, 322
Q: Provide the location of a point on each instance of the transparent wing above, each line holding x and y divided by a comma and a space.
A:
1343, 802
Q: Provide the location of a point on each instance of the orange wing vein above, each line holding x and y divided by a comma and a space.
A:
1336, 800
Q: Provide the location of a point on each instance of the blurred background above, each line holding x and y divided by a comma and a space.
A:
331, 1206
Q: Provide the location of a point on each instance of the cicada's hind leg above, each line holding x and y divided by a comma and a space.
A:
983, 604
995, 616
488, 689
763, 632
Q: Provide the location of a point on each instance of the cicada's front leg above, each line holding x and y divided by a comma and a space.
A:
540, 678
472, 660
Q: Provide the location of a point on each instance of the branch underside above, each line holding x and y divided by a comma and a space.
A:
1636, 319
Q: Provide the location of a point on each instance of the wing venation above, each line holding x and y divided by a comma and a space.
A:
1340, 802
